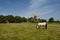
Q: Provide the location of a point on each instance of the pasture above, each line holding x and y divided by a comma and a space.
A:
28, 31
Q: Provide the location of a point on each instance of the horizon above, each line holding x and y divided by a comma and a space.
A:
25, 8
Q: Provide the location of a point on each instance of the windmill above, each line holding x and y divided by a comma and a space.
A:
34, 15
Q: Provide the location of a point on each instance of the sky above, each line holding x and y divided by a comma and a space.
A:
44, 9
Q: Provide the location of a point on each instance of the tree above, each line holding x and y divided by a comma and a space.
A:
18, 19
57, 21
42, 20
10, 18
51, 19
24, 19
30, 19
2, 19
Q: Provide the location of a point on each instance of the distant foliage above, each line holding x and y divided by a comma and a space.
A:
57, 21
2, 19
12, 19
18, 19
51, 19
43, 20
31, 19
24, 19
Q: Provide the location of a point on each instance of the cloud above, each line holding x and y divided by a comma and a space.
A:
42, 7
36, 3
35, 6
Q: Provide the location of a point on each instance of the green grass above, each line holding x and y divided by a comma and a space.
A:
28, 31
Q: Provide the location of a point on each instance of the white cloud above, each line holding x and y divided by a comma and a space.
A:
43, 8
34, 5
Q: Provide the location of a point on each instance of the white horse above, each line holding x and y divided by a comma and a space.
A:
41, 24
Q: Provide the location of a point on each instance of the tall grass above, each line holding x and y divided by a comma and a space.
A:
28, 31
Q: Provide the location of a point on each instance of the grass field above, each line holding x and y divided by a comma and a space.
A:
28, 31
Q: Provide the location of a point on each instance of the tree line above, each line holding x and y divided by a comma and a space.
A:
18, 19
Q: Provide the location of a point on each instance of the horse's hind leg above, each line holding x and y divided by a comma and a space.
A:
46, 26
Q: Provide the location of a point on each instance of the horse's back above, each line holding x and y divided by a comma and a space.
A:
42, 23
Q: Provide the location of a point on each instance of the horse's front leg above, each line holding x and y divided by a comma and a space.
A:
37, 26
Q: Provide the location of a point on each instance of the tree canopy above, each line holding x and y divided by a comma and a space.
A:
19, 19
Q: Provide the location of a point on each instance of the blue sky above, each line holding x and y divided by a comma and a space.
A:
44, 9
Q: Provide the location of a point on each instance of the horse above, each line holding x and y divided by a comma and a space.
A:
41, 24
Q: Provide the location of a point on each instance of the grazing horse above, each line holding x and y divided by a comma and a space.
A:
41, 24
